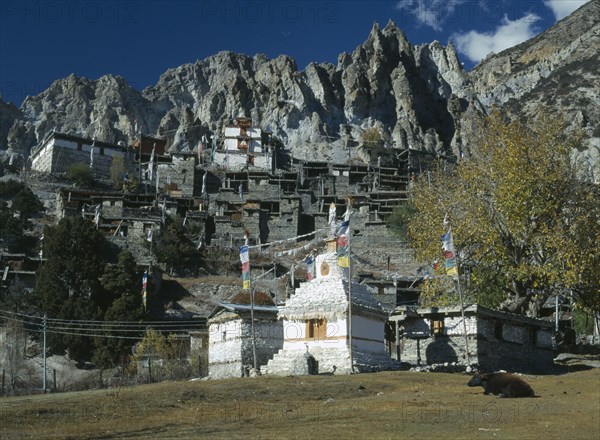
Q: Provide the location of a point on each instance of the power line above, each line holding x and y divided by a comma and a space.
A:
89, 328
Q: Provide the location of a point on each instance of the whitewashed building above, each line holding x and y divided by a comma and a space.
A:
58, 151
315, 319
230, 351
243, 147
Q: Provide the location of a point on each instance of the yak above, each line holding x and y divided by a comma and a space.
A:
502, 384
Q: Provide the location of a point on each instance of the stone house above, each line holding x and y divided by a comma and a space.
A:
230, 352
315, 319
19, 269
497, 340
60, 150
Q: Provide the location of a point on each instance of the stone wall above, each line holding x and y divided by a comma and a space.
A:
513, 346
180, 172
230, 345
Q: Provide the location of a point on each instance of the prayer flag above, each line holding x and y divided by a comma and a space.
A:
449, 253
145, 287
245, 260
151, 164
343, 244
310, 267
246, 280
92, 154
97, 215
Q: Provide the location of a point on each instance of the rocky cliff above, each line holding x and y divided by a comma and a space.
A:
557, 72
416, 96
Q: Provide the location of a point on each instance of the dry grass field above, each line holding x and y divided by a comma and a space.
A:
392, 405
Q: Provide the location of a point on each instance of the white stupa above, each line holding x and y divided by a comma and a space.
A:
315, 319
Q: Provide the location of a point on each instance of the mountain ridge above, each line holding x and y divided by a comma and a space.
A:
417, 96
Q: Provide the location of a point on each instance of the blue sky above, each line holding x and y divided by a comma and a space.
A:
41, 41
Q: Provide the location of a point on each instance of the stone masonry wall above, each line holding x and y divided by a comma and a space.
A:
229, 353
521, 348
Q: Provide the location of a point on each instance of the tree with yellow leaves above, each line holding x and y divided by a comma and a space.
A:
525, 220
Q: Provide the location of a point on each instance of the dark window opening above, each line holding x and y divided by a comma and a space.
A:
498, 330
316, 329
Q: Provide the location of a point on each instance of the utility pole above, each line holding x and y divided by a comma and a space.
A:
45, 325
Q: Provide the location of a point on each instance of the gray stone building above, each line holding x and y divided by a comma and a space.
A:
496, 340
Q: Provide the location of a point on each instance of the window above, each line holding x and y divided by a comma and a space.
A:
533, 336
316, 329
437, 326
498, 328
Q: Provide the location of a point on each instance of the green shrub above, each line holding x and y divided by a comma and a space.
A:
80, 174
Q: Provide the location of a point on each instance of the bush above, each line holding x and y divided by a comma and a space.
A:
80, 174
260, 298
117, 172
157, 358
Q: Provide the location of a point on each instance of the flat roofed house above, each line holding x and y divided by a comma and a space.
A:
230, 352
497, 340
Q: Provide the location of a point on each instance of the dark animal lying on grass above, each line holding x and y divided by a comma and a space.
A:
502, 384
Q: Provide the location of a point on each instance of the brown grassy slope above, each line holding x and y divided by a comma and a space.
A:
383, 405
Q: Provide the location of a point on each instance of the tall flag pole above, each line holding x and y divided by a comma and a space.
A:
349, 234
452, 270
247, 284
344, 260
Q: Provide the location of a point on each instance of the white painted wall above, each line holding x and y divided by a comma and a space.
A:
231, 142
454, 325
37, 161
224, 341
368, 334
235, 160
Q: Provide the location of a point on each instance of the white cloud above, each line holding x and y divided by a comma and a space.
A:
432, 13
476, 45
562, 8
